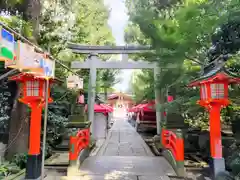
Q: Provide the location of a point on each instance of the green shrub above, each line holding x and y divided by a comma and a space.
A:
4, 171
7, 169
20, 160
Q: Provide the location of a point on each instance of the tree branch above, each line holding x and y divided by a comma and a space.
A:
194, 60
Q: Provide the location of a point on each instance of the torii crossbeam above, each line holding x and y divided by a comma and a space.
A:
84, 49
93, 63
112, 64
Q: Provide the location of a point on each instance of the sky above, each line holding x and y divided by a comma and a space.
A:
117, 21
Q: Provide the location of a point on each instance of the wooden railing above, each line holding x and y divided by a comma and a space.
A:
78, 143
174, 143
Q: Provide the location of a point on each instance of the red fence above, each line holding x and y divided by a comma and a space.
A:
174, 143
78, 143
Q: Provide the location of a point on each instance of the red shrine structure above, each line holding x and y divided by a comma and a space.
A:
213, 85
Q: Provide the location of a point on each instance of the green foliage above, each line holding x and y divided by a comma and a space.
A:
16, 22
183, 33
20, 160
52, 25
133, 35
106, 79
233, 161
4, 108
83, 22
4, 170
200, 120
142, 85
56, 127
7, 169
178, 32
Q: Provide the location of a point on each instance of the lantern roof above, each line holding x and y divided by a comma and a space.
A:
26, 76
211, 74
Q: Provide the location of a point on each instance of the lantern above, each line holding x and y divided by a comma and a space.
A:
213, 96
33, 94
33, 88
214, 88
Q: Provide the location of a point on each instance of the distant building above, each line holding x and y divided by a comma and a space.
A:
120, 102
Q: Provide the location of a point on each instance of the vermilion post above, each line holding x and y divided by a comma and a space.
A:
33, 167
35, 129
180, 149
215, 131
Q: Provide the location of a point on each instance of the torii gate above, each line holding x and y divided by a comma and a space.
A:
93, 63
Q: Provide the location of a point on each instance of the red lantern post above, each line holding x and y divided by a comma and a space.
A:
33, 95
214, 96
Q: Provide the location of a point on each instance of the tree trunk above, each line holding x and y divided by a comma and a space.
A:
19, 121
18, 128
32, 14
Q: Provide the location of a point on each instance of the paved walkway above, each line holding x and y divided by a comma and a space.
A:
124, 156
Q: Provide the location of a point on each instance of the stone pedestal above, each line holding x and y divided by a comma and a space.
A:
218, 166
33, 167
77, 120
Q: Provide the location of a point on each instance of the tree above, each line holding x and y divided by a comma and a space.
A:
108, 78
189, 34
142, 84
178, 33
83, 22
18, 121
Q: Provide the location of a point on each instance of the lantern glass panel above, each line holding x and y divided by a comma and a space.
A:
32, 88
217, 91
204, 91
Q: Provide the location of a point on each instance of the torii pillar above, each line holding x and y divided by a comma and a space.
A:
93, 63
92, 91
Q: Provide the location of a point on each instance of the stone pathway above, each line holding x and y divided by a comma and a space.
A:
123, 140
124, 156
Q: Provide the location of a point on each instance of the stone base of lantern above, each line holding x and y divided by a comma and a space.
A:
33, 167
218, 166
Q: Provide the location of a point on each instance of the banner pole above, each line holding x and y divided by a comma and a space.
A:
45, 128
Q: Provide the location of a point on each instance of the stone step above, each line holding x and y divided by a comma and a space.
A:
64, 146
115, 177
81, 125
61, 148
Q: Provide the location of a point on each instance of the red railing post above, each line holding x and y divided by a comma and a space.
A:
173, 141
180, 149
78, 143
73, 149
163, 137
